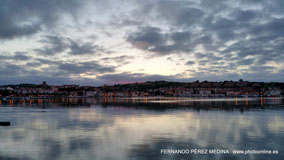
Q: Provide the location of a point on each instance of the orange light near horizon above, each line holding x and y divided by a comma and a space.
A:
11, 102
39, 101
76, 100
114, 100
145, 100
105, 100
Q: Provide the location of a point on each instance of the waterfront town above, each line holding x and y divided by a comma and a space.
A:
239, 88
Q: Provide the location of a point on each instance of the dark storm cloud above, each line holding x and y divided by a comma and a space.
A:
53, 45
208, 56
262, 48
244, 16
242, 32
85, 48
47, 61
169, 59
12, 157
17, 56
20, 18
38, 78
84, 67
66, 68
21, 56
21, 68
146, 37
246, 61
153, 39
55, 72
9, 30
180, 13
190, 63
189, 16
7, 69
33, 64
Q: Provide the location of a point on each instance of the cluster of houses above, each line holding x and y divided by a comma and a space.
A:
195, 92
157, 88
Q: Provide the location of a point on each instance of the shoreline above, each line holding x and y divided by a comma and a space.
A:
145, 97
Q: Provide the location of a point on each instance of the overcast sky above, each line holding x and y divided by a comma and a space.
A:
99, 42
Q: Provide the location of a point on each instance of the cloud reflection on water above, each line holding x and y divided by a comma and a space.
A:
125, 132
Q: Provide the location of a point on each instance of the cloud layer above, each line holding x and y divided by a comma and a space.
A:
97, 42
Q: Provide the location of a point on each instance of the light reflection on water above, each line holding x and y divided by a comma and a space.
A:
91, 129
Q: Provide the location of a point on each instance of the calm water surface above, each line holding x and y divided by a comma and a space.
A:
124, 129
